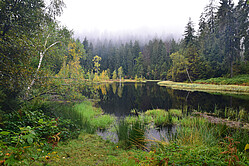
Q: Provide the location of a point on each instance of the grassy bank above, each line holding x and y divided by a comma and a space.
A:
236, 80
206, 87
29, 135
197, 142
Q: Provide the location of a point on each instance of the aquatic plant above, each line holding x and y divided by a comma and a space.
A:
136, 134
131, 135
122, 129
103, 121
161, 117
197, 142
239, 114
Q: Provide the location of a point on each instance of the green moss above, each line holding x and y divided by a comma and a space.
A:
90, 150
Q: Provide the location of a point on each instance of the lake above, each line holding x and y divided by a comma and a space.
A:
120, 98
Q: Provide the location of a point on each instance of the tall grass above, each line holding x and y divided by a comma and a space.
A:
199, 131
163, 118
93, 117
131, 135
239, 114
199, 142
122, 130
84, 114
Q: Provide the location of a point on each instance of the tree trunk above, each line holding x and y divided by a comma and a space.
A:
39, 65
188, 75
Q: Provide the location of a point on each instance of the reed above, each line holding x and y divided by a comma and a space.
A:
239, 114
200, 142
131, 135
85, 115
161, 117
136, 134
122, 129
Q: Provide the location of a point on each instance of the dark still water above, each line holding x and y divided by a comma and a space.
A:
119, 99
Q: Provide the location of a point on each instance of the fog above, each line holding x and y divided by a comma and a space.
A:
131, 19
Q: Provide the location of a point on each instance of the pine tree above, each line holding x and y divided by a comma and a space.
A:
226, 21
189, 34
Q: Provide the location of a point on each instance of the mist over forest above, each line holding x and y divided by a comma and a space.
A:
217, 47
143, 36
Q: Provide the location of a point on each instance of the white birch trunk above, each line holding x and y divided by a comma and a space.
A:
40, 62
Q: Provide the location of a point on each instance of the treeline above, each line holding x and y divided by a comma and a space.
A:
151, 61
35, 48
220, 47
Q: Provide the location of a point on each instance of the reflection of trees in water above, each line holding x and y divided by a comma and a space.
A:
135, 85
121, 98
120, 91
205, 102
114, 88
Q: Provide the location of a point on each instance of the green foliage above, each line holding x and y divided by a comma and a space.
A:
96, 61
131, 135
177, 72
103, 121
29, 36
189, 36
92, 117
161, 117
120, 72
198, 142
136, 135
114, 75
236, 80
122, 130
71, 66
28, 134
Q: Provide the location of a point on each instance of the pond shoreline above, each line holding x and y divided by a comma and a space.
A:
217, 120
206, 87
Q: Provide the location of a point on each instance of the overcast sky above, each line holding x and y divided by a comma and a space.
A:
141, 17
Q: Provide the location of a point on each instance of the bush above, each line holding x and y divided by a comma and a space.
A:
28, 134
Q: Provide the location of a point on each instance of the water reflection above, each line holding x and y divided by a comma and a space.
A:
120, 98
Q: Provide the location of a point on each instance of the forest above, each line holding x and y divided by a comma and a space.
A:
34, 48
218, 48
41, 58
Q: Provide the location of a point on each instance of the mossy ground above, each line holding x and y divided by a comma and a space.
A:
90, 149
